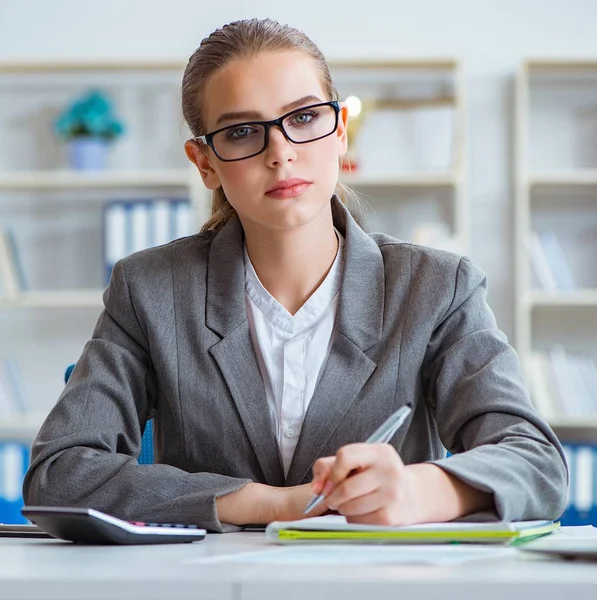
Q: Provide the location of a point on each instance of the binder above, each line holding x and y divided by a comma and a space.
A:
182, 219
163, 230
14, 458
335, 529
581, 508
140, 233
584, 484
135, 225
115, 235
570, 518
12, 279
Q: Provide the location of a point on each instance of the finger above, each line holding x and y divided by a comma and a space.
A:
359, 484
352, 457
321, 469
377, 517
363, 505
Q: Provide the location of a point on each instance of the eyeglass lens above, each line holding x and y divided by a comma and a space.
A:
303, 125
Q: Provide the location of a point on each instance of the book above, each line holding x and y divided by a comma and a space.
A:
540, 264
557, 260
565, 383
11, 273
542, 386
335, 529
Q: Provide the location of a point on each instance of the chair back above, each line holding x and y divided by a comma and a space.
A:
146, 456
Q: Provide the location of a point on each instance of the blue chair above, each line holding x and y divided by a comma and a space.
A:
146, 456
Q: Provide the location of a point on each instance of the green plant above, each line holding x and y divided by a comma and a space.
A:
89, 116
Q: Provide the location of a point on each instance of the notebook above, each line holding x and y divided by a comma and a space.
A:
335, 529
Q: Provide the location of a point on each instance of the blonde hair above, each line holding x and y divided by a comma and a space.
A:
240, 40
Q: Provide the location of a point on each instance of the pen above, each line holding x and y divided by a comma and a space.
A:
380, 436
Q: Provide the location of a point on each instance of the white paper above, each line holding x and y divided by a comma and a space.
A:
362, 555
580, 531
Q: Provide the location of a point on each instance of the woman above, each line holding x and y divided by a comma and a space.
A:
271, 344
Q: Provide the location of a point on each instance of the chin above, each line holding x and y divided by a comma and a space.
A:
297, 213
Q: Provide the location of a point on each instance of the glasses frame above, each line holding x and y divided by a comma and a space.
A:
267, 125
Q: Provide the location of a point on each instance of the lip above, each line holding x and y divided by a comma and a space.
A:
288, 188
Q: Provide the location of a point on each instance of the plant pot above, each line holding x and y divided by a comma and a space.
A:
88, 153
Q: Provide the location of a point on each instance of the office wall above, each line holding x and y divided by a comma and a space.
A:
489, 36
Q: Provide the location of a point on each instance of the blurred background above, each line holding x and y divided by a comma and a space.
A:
474, 129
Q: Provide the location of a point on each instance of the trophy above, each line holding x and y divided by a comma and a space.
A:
356, 114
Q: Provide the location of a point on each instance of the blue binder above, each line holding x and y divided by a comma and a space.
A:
582, 499
14, 459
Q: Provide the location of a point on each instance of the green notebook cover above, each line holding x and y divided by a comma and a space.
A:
337, 530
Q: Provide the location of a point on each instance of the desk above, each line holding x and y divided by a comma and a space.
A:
50, 569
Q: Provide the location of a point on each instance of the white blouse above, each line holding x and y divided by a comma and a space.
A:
291, 349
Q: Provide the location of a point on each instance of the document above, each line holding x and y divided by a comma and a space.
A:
335, 529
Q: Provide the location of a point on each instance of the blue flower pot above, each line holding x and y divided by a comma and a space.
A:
88, 154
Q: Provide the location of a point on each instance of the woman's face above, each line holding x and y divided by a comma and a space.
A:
264, 88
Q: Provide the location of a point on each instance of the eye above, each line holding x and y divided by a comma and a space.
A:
239, 133
304, 117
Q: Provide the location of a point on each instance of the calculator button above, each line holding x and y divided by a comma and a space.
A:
139, 523
152, 524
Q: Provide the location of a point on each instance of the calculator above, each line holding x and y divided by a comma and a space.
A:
90, 526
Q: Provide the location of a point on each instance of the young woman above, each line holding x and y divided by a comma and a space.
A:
271, 344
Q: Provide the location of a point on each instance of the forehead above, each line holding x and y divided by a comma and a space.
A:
264, 83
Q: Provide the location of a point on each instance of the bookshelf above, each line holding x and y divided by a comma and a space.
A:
56, 214
412, 141
556, 191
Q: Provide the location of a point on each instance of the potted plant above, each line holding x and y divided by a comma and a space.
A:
89, 126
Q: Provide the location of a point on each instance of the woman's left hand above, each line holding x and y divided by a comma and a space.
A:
369, 483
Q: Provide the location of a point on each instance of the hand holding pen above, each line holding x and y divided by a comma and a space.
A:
364, 482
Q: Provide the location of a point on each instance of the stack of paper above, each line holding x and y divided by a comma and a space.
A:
332, 529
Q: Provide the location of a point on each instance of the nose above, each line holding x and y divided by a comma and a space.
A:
279, 149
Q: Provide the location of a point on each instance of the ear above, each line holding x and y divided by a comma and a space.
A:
197, 153
342, 131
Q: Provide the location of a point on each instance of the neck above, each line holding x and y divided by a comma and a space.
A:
292, 264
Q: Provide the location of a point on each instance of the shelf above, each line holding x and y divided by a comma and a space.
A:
54, 299
586, 297
421, 179
36, 180
19, 67
585, 422
564, 178
20, 427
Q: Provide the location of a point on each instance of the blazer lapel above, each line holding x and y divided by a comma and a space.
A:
359, 323
234, 353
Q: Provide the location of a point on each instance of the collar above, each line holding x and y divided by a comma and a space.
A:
362, 288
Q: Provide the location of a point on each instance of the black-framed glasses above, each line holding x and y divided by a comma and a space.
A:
300, 126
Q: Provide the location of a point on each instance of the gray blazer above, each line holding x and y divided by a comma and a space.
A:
173, 343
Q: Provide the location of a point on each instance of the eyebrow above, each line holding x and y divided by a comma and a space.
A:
252, 114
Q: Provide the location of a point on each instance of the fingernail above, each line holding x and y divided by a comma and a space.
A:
328, 488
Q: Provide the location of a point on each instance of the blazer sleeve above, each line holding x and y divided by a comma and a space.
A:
499, 442
85, 452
